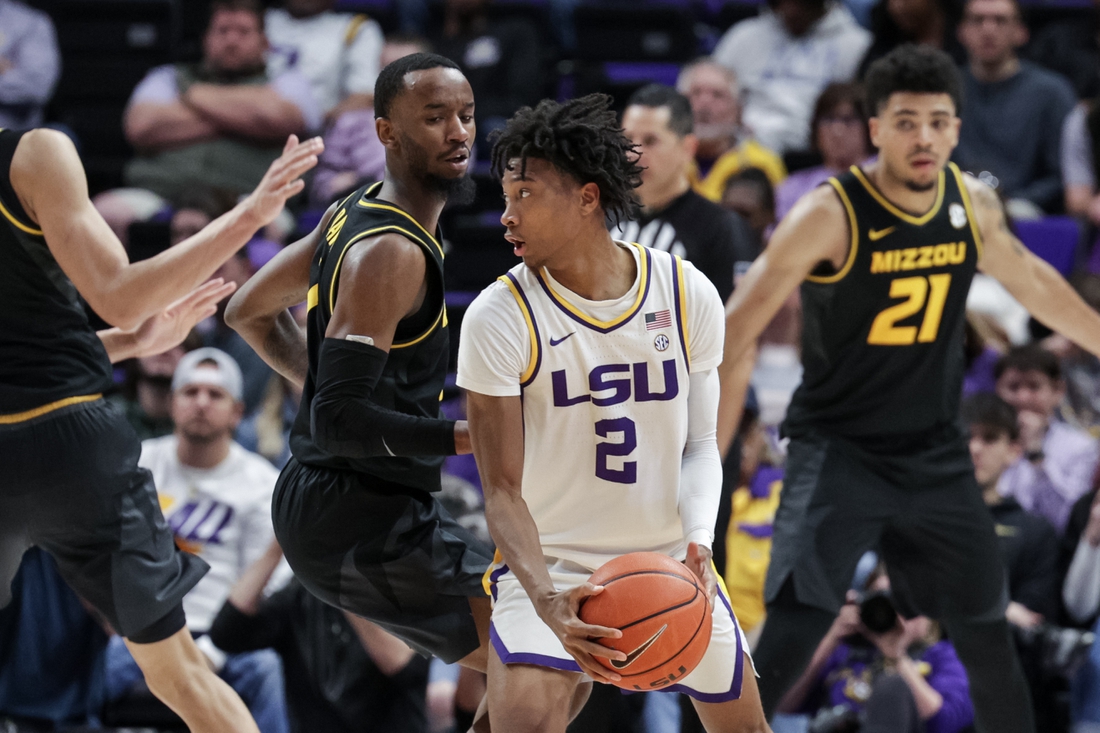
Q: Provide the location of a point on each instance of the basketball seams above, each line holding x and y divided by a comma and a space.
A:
707, 610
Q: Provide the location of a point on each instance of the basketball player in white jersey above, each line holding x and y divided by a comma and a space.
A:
593, 392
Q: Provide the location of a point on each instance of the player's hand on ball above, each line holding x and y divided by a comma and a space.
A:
560, 614
283, 179
698, 561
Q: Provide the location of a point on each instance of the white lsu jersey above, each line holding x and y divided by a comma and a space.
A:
605, 402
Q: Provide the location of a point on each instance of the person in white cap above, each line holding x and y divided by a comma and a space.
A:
216, 498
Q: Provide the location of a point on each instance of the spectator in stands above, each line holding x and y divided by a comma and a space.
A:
838, 132
51, 652
30, 64
1080, 141
925, 22
1081, 599
216, 497
339, 53
723, 147
784, 58
905, 680
983, 344
343, 674
219, 123
353, 153
749, 194
1071, 47
146, 394
1058, 460
674, 218
1012, 119
1029, 544
501, 57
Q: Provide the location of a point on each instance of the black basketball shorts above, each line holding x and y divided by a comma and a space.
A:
388, 553
70, 483
917, 503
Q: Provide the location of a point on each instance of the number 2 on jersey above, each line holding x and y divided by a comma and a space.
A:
929, 293
628, 474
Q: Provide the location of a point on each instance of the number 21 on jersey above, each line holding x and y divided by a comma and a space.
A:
920, 293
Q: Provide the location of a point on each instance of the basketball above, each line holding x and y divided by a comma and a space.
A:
662, 610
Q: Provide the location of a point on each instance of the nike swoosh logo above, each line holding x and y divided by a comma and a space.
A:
876, 234
555, 342
633, 656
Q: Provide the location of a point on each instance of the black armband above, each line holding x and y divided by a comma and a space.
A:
346, 422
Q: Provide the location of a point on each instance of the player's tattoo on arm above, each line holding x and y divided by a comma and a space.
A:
285, 349
986, 198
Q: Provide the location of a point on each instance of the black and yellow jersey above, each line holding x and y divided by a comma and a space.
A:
882, 341
50, 355
413, 377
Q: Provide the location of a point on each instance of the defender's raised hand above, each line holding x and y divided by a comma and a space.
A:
284, 178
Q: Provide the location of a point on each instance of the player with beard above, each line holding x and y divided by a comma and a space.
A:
877, 457
353, 509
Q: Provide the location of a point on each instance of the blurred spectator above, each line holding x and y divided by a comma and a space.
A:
267, 431
217, 124
1080, 143
925, 22
905, 679
216, 497
1014, 110
1029, 544
674, 218
353, 154
335, 682
337, 52
1058, 460
52, 672
723, 147
1081, 599
1071, 47
749, 193
501, 57
30, 64
257, 373
146, 394
1080, 368
838, 132
784, 58
745, 522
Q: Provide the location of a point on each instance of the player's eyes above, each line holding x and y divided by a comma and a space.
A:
524, 193
467, 118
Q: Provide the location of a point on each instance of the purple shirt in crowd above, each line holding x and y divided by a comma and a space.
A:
1049, 488
29, 43
351, 147
848, 674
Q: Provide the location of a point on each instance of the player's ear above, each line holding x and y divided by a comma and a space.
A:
690, 144
873, 130
590, 197
386, 134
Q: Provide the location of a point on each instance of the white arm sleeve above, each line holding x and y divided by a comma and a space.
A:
701, 468
495, 347
1081, 591
706, 321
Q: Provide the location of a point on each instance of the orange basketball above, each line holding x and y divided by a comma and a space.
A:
663, 612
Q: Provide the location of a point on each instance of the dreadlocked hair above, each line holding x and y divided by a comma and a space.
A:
581, 138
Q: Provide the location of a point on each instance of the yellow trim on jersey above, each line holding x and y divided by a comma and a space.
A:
311, 296
853, 246
18, 224
643, 282
371, 205
681, 295
353, 240
19, 417
486, 584
529, 319
421, 337
885, 203
969, 209
356, 23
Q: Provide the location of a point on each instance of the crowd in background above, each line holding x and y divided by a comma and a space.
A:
768, 109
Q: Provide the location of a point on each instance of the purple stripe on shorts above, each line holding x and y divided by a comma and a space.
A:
542, 660
734, 691
494, 577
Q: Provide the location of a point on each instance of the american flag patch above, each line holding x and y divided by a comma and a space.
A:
660, 319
